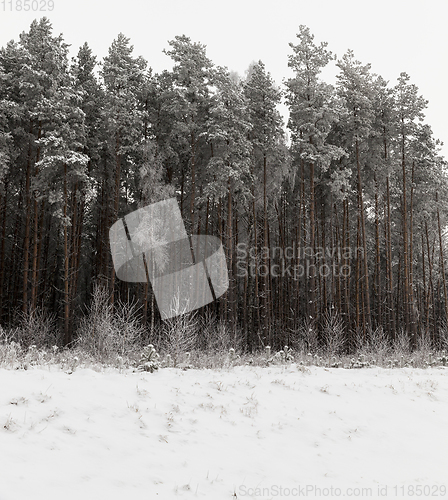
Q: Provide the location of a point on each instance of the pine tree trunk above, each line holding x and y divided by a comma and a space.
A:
36, 237
364, 238
425, 290
379, 298
442, 260
26, 244
358, 276
3, 204
346, 263
256, 317
431, 301
390, 284
406, 301
414, 317
265, 253
312, 279
116, 205
193, 179
67, 336
230, 254
14, 273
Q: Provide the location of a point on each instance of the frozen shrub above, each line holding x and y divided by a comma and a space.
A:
283, 356
149, 359
288, 356
10, 353
105, 332
167, 362
401, 344
375, 343
232, 356
186, 364
216, 336
308, 334
443, 338
180, 335
36, 327
333, 335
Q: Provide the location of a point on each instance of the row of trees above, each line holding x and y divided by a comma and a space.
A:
343, 214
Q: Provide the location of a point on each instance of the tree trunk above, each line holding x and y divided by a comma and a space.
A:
406, 297
67, 336
312, 280
442, 260
390, 285
26, 245
364, 238
116, 205
378, 294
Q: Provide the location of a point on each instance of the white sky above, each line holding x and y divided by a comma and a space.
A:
393, 35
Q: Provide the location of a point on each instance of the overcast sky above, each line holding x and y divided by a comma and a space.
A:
392, 35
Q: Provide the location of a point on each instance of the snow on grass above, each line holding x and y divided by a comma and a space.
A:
219, 434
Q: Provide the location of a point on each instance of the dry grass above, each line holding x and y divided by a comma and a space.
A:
115, 337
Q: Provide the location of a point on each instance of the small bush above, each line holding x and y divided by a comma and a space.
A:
333, 335
305, 338
36, 327
106, 332
401, 345
180, 335
149, 359
375, 344
216, 336
443, 338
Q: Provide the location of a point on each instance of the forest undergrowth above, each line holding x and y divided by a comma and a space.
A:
113, 336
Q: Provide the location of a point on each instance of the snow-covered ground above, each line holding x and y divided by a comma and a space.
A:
245, 432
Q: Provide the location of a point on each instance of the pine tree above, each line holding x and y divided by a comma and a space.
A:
89, 219
355, 88
7, 153
312, 113
123, 77
409, 108
191, 99
269, 156
228, 175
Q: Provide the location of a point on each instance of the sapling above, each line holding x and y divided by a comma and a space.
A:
288, 354
149, 359
232, 356
309, 359
335, 363
168, 360
186, 365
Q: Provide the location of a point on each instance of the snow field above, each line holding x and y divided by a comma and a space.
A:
215, 434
